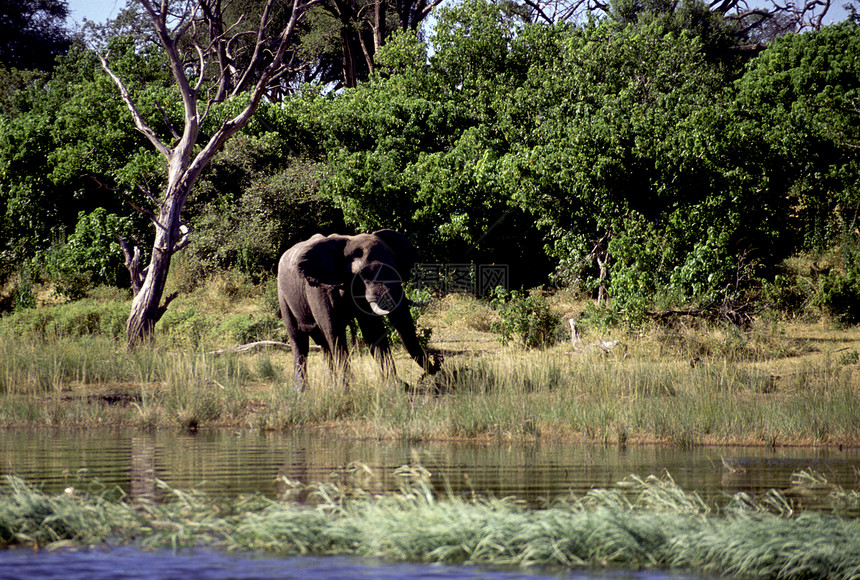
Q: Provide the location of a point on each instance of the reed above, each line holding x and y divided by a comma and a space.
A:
647, 523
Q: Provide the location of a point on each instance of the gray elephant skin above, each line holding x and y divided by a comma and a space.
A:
326, 282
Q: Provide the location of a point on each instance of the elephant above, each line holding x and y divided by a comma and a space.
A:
327, 282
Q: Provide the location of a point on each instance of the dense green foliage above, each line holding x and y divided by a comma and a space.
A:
637, 153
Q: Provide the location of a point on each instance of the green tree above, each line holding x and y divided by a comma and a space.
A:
33, 33
801, 101
621, 158
417, 148
717, 33
69, 149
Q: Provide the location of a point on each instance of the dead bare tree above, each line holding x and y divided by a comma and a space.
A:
790, 15
557, 11
762, 20
198, 46
365, 25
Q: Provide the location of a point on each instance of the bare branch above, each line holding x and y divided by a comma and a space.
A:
258, 46
144, 188
132, 263
184, 240
138, 119
201, 77
167, 121
136, 207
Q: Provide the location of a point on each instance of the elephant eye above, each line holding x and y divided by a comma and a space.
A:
371, 272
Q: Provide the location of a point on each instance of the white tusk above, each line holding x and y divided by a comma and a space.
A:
377, 310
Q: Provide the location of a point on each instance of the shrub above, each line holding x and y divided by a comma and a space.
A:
840, 289
23, 297
840, 294
527, 317
91, 255
80, 318
244, 328
251, 207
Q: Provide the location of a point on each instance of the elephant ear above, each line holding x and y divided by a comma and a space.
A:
404, 252
322, 262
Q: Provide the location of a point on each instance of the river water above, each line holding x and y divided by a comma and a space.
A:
226, 463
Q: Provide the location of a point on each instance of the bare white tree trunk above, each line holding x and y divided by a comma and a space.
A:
267, 64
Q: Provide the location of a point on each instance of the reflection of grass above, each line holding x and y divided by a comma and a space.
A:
643, 523
688, 385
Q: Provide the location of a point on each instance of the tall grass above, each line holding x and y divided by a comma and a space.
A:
35, 366
689, 384
646, 523
554, 394
616, 400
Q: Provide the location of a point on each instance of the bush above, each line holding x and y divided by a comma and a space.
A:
244, 328
23, 297
74, 319
182, 327
251, 207
840, 294
527, 317
91, 255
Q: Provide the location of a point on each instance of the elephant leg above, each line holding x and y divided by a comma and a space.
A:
300, 347
333, 344
328, 312
376, 337
299, 344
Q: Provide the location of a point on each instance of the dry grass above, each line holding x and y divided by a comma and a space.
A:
690, 384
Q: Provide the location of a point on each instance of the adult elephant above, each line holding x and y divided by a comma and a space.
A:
326, 282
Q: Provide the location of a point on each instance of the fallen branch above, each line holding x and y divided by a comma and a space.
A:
603, 345
256, 345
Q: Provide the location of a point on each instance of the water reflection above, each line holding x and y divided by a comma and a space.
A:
232, 463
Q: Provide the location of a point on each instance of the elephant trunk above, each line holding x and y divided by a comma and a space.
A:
402, 321
383, 300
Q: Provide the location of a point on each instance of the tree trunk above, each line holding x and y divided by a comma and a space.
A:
146, 307
379, 25
349, 73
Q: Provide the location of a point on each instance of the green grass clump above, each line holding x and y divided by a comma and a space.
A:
28, 516
86, 317
34, 367
641, 524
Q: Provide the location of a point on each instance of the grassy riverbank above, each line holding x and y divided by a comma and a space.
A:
641, 524
777, 384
